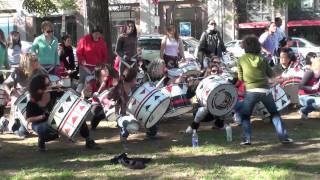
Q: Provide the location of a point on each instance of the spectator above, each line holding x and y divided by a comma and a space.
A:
67, 56
269, 42
171, 50
14, 49
211, 42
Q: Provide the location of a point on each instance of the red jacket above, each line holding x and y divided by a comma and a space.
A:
92, 52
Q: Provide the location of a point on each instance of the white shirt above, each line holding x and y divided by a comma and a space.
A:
14, 55
171, 47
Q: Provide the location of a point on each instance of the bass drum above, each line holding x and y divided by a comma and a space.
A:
148, 104
217, 94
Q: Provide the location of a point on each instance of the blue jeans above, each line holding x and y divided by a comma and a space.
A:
44, 132
309, 103
250, 100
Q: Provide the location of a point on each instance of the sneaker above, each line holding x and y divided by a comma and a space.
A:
92, 145
304, 116
189, 130
245, 143
287, 141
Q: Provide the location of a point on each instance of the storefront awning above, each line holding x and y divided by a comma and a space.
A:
253, 25
303, 23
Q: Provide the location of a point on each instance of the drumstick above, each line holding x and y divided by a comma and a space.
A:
101, 86
5, 70
125, 63
159, 83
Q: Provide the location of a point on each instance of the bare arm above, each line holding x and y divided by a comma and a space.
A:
162, 47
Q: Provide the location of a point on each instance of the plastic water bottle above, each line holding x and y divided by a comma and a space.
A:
229, 133
195, 140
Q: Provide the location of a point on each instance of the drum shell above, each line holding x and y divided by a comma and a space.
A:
148, 105
179, 104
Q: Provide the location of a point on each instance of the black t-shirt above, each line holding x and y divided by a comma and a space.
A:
33, 109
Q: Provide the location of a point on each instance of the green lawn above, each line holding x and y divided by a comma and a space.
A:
172, 156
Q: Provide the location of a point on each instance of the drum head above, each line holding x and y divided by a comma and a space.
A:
178, 111
222, 99
292, 91
158, 113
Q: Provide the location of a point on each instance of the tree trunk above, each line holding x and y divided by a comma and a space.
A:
98, 14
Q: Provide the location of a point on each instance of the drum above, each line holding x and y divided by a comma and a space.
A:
54, 80
69, 113
291, 88
3, 97
217, 94
129, 123
65, 82
190, 67
180, 104
148, 104
280, 97
20, 107
228, 60
108, 106
174, 73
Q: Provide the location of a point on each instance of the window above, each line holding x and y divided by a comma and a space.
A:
149, 44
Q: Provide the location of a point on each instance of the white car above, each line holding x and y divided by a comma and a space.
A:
303, 46
235, 48
150, 46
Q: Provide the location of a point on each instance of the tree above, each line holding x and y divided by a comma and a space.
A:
283, 3
40, 7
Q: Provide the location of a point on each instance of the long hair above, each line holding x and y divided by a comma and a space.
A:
171, 28
13, 39
2, 39
134, 31
26, 62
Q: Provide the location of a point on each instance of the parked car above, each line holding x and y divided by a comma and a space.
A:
303, 46
150, 46
235, 48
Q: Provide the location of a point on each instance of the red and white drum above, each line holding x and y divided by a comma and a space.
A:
148, 104
108, 106
3, 96
128, 122
217, 94
180, 104
291, 87
190, 67
69, 113
280, 98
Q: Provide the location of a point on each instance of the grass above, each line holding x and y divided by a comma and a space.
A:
172, 154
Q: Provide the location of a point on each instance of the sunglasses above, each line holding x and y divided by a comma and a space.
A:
49, 31
212, 24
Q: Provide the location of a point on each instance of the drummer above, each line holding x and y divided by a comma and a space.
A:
105, 77
120, 95
38, 110
201, 113
309, 90
289, 66
17, 82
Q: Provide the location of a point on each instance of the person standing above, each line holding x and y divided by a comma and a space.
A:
171, 50
91, 51
126, 46
46, 47
14, 49
211, 42
269, 42
254, 71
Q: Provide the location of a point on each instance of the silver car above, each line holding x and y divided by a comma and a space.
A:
150, 46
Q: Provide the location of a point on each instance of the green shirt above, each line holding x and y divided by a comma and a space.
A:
3, 57
47, 53
254, 71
